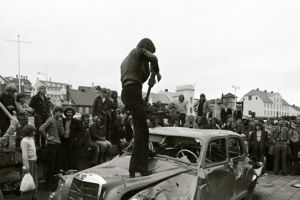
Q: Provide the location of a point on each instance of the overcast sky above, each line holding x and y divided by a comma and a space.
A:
212, 44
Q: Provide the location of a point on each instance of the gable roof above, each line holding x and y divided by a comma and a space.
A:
83, 98
265, 96
229, 95
158, 97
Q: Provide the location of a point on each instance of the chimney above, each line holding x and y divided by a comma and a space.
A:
17, 76
272, 92
265, 91
257, 89
166, 90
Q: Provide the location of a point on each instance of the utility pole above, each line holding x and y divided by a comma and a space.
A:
18, 41
235, 87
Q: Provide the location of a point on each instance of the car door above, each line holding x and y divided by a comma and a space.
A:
239, 164
218, 173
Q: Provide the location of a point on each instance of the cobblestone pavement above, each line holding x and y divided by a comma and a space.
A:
269, 187
272, 187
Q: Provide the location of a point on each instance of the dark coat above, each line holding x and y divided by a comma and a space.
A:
97, 133
76, 136
135, 66
7, 101
224, 114
40, 106
102, 108
264, 141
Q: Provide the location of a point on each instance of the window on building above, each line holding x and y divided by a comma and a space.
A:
264, 112
268, 112
80, 110
87, 110
191, 99
191, 110
249, 97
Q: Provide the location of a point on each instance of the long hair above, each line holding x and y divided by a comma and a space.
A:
146, 43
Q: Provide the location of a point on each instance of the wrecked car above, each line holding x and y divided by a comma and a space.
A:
186, 164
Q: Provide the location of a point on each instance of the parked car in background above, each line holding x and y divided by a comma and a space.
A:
186, 164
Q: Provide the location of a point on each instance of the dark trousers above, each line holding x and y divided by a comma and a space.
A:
53, 164
295, 148
182, 117
67, 158
4, 124
133, 101
38, 121
280, 152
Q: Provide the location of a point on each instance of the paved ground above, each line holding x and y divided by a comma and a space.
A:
269, 187
272, 187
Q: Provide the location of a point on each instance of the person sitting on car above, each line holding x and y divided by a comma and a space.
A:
98, 135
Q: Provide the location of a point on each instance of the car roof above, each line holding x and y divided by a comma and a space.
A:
202, 134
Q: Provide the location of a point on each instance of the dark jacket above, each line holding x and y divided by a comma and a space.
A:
102, 108
135, 66
7, 101
97, 133
264, 141
224, 114
40, 106
76, 134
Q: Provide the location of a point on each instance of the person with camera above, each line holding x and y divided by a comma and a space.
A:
135, 70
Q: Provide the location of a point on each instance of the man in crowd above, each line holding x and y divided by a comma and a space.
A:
55, 130
280, 140
181, 106
98, 136
103, 106
72, 138
202, 107
8, 101
41, 108
225, 113
135, 71
295, 146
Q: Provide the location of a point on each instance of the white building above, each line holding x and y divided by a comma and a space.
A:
55, 90
187, 91
266, 104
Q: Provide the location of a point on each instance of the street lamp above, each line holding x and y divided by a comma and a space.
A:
235, 87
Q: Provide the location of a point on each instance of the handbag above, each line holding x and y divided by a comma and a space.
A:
27, 183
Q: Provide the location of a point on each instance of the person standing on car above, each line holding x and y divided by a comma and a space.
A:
41, 108
135, 70
280, 140
8, 100
201, 107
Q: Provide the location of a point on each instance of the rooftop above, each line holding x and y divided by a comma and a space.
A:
265, 95
202, 134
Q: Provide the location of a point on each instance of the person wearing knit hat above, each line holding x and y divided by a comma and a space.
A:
55, 131
41, 108
8, 100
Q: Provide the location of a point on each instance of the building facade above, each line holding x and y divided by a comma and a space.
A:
55, 90
26, 86
266, 104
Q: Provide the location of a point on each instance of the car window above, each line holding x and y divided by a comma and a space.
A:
235, 148
216, 151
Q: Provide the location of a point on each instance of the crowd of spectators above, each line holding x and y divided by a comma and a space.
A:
65, 139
